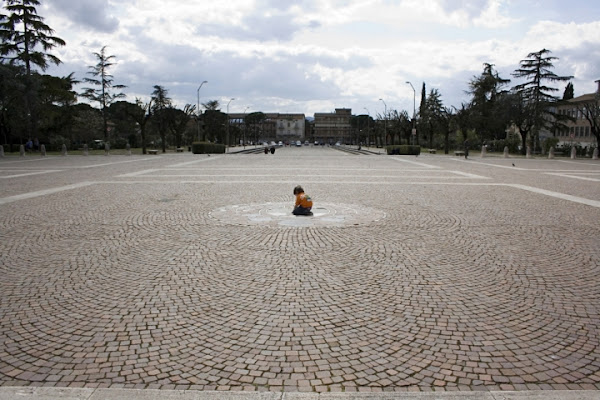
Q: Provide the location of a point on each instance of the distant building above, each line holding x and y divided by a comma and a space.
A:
577, 131
333, 127
276, 127
290, 127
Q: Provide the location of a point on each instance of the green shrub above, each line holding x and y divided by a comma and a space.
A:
403, 150
207, 148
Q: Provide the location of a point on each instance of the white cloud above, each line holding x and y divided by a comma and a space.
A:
95, 15
492, 17
327, 53
560, 35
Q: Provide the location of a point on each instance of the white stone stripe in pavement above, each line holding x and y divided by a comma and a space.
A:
113, 163
404, 160
562, 196
469, 175
36, 393
518, 161
304, 168
581, 200
138, 173
83, 166
208, 158
303, 176
47, 171
583, 178
15, 160
579, 162
44, 192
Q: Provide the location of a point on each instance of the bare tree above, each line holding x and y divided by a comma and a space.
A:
590, 110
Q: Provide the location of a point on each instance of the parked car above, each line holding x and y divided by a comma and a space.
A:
298, 143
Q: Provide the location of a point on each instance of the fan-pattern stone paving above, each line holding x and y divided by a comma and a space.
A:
156, 282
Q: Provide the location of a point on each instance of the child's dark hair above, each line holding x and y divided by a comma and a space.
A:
298, 189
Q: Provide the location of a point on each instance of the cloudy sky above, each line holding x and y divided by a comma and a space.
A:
305, 56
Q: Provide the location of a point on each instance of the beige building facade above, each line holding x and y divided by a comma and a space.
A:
290, 127
331, 128
578, 131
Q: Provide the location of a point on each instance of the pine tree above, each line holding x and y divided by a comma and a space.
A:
26, 40
422, 112
23, 32
535, 95
103, 94
569, 92
161, 102
486, 91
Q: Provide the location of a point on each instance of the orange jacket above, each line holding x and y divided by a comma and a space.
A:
303, 200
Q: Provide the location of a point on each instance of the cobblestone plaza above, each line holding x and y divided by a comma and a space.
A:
185, 271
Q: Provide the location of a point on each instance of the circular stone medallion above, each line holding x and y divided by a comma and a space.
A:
280, 214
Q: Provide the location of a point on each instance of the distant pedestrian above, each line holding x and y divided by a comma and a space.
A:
466, 148
303, 203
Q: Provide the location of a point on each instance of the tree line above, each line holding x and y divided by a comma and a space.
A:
45, 107
528, 108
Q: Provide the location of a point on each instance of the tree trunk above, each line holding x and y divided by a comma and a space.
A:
143, 134
446, 142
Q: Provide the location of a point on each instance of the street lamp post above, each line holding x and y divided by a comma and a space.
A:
198, 109
228, 138
414, 130
384, 123
368, 131
244, 122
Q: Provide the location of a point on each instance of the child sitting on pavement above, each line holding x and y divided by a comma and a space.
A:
303, 202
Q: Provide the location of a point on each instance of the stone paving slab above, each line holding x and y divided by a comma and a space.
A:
146, 394
36, 393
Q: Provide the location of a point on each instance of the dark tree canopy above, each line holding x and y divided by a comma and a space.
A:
486, 91
569, 92
537, 69
535, 95
161, 102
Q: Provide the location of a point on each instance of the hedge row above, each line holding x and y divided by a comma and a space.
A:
207, 148
403, 150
